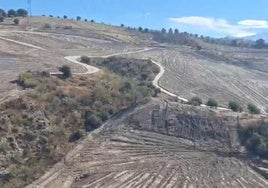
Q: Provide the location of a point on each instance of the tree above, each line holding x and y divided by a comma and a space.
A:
195, 101
85, 20
170, 31
260, 43
11, 13
65, 17
176, 31
122, 25
253, 109
22, 12
212, 102
16, 21
92, 21
140, 29
146, 30
163, 31
66, 70
235, 106
3, 13
78, 18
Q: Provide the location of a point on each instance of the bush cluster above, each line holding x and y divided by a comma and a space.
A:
255, 138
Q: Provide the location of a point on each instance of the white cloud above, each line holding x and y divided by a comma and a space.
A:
258, 24
219, 27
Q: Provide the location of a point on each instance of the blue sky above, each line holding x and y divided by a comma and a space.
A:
208, 17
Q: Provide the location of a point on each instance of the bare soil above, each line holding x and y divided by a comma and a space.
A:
132, 151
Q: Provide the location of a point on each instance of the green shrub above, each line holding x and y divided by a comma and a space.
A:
16, 21
28, 80
235, 106
253, 109
77, 135
66, 70
104, 116
195, 101
254, 137
92, 122
212, 102
85, 59
156, 92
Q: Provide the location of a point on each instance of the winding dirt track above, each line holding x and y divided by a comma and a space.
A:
141, 159
91, 69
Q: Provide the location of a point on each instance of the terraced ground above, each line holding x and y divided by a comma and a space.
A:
46, 51
125, 152
224, 73
239, 75
132, 150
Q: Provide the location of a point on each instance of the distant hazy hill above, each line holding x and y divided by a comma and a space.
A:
256, 37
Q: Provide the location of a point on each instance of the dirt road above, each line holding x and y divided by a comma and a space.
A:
91, 69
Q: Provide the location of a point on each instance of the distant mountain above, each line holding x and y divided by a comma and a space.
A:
257, 36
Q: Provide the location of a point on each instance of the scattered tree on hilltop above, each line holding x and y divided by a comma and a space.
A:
11, 13
65, 17
3, 13
163, 31
146, 30
78, 18
260, 43
176, 31
170, 31
22, 12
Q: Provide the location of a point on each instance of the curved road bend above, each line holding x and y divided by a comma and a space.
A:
91, 69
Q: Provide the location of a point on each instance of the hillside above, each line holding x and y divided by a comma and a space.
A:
66, 132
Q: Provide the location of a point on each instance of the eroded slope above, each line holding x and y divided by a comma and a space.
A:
132, 151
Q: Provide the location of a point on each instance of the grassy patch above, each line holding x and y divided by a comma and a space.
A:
40, 127
255, 138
